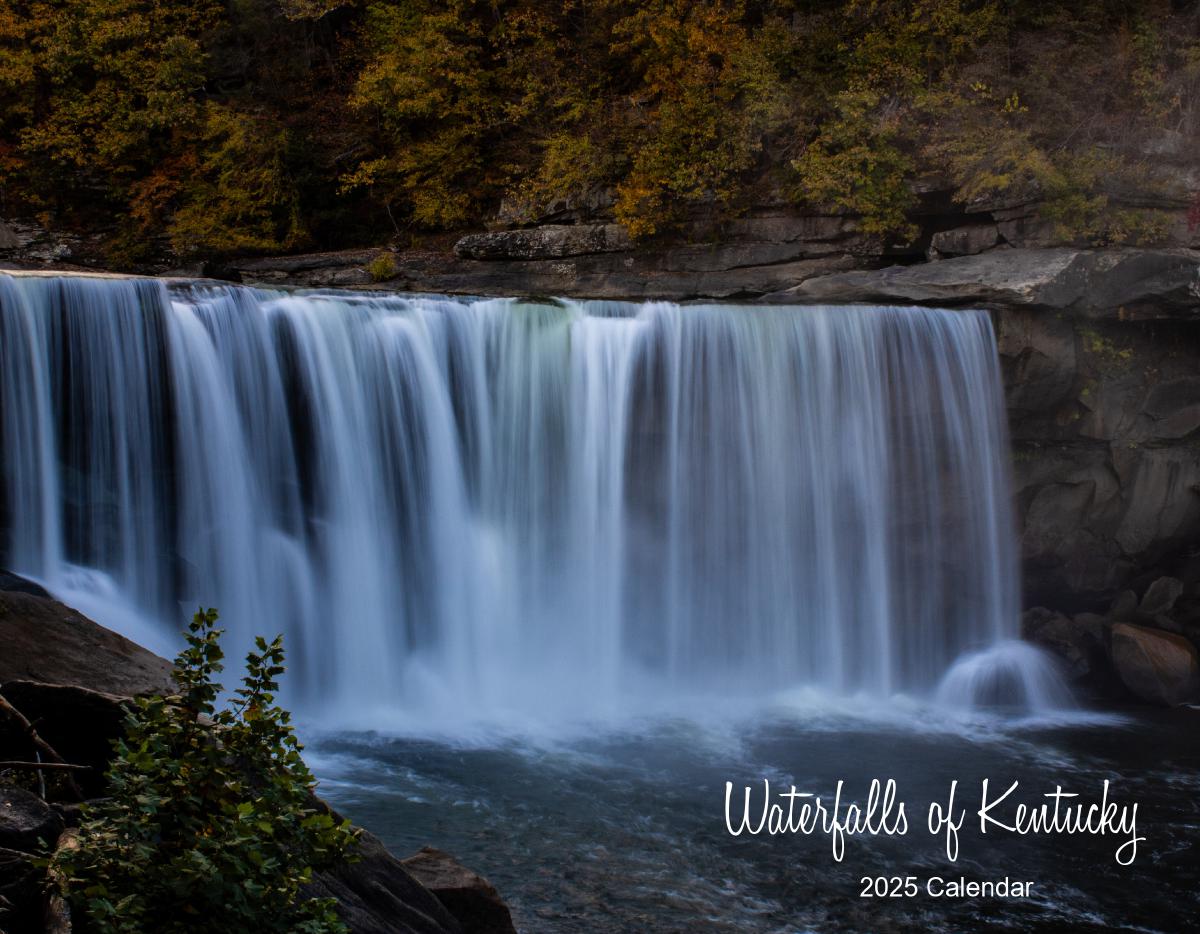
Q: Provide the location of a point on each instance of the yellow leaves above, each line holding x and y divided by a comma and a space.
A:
1013, 105
238, 196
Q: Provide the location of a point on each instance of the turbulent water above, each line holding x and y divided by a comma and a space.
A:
510, 508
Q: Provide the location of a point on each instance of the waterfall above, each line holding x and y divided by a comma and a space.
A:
514, 505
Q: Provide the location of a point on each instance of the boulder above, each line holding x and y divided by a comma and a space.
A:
377, 895
43, 640
1157, 667
468, 896
1160, 597
27, 823
964, 241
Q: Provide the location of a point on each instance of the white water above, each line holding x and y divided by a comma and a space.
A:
516, 508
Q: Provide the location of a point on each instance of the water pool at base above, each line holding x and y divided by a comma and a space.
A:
624, 830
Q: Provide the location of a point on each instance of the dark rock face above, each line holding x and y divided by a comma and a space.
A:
42, 640
468, 896
1106, 466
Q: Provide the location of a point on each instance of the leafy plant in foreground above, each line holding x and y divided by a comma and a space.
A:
211, 823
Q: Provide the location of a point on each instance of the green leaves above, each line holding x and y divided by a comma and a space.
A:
211, 817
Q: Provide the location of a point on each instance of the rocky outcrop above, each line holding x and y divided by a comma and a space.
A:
1146, 284
747, 258
42, 640
344, 269
697, 271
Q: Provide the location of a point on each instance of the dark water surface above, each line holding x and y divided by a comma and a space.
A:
624, 830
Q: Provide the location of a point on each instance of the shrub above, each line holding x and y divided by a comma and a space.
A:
382, 268
211, 824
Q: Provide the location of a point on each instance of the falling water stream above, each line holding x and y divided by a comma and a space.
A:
477, 521
515, 507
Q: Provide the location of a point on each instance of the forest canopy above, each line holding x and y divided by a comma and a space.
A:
208, 128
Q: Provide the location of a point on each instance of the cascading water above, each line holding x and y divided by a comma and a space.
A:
516, 506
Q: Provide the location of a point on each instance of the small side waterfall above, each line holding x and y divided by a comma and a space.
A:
517, 506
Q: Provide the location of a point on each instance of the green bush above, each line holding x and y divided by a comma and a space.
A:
211, 823
382, 268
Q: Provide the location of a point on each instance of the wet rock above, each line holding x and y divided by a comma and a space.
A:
27, 823
43, 640
1157, 667
377, 895
468, 896
1160, 597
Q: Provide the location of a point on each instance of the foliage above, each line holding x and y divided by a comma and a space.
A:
237, 194
382, 268
211, 822
97, 88
708, 93
897, 54
259, 125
